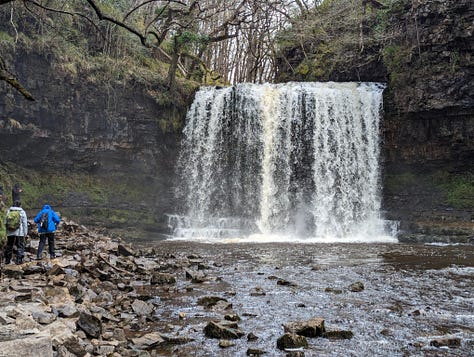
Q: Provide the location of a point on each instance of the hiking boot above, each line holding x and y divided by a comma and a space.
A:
19, 261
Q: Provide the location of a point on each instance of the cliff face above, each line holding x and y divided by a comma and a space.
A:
429, 120
113, 131
425, 56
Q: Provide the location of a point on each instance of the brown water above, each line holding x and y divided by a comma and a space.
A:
413, 294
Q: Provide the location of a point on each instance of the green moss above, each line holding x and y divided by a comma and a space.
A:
396, 59
54, 188
443, 188
396, 183
458, 190
5, 38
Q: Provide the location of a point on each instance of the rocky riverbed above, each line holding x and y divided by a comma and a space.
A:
101, 297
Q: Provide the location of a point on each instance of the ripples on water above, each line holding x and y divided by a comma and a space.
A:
413, 294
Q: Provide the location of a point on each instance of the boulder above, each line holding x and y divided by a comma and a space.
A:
90, 324
142, 308
309, 328
357, 287
162, 278
150, 340
446, 342
216, 330
210, 301
291, 340
125, 251
38, 345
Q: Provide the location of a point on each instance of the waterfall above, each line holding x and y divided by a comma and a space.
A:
295, 160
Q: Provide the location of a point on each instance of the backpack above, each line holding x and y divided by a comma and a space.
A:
13, 220
43, 223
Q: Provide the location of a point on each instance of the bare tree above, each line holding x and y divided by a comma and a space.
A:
230, 40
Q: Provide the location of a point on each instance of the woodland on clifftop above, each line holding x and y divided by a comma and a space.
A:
210, 42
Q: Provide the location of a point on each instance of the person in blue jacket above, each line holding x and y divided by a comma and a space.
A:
47, 220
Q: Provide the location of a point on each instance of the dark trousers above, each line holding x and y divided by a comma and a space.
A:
20, 249
42, 243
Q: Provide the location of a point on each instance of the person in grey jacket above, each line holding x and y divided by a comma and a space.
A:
17, 235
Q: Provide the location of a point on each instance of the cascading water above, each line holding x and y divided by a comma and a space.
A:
294, 160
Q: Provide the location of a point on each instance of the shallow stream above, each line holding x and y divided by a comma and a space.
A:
412, 295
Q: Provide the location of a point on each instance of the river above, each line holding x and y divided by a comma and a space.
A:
413, 294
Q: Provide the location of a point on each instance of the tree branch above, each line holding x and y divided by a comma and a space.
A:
102, 17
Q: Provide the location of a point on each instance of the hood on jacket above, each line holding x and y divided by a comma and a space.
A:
47, 207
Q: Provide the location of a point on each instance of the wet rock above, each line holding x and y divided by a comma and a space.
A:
333, 290
257, 291
338, 335
23, 297
255, 352
226, 343
446, 342
148, 341
56, 270
232, 317
295, 354
90, 324
33, 269
309, 328
252, 337
162, 278
142, 308
386, 332
222, 305
284, 282
12, 271
195, 276
210, 301
202, 266
176, 340
291, 340
125, 250
216, 330
357, 287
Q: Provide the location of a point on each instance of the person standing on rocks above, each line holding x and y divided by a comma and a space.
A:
47, 220
16, 224
16, 192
